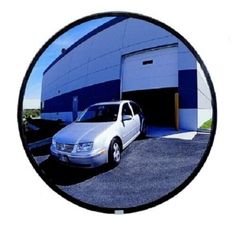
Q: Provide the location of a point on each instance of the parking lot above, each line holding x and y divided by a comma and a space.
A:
150, 168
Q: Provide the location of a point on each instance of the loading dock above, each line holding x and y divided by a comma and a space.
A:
158, 105
150, 78
118, 60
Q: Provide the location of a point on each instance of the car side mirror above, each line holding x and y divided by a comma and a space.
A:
126, 117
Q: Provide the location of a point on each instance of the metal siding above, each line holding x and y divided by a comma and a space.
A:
65, 116
87, 68
149, 36
204, 115
49, 91
188, 119
204, 98
75, 80
188, 88
100, 58
204, 93
203, 101
85, 38
139, 31
79, 56
104, 75
108, 41
186, 58
59, 70
107, 91
105, 62
148, 44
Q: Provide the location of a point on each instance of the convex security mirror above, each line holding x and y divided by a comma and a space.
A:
117, 112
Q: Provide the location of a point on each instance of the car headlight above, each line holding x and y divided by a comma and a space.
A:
53, 142
86, 146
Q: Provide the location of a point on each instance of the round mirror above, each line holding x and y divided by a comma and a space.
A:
117, 112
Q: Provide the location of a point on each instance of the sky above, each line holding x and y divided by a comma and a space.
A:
33, 88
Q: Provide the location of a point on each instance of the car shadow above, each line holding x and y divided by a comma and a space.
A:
61, 174
140, 137
40, 151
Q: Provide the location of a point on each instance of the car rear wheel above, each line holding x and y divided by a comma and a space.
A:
114, 152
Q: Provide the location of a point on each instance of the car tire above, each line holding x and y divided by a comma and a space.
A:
114, 154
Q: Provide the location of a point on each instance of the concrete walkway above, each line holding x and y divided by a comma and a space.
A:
164, 132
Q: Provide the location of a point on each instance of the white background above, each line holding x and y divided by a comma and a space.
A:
210, 199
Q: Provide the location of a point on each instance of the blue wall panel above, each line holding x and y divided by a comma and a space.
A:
188, 88
108, 91
86, 37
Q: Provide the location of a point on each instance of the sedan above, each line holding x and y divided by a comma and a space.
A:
99, 135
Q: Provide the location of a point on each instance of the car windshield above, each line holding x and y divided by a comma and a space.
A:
100, 113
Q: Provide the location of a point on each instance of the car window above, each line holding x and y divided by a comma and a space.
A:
135, 108
126, 110
100, 113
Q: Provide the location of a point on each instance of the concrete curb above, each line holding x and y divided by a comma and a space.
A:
204, 130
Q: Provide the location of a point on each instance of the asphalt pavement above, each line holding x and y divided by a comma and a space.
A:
149, 169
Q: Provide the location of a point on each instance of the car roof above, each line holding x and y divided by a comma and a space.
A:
112, 102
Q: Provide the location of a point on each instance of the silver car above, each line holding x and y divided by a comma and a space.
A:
99, 135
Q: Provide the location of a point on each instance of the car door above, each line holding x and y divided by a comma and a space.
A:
136, 117
128, 129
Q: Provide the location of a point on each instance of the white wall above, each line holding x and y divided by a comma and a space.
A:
204, 97
188, 119
186, 58
203, 116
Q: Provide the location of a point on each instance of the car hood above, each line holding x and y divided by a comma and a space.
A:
76, 132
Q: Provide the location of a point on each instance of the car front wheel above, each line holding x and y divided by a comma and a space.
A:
114, 152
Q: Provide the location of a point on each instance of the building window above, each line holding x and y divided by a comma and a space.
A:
147, 62
42, 105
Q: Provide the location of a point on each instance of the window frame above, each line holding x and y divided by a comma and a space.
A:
135, 107
130, 108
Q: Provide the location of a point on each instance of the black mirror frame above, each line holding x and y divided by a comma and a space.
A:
104, 209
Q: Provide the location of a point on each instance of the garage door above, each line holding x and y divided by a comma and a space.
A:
150, 69
150, 78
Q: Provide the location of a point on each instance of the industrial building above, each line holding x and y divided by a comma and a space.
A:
128, 58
